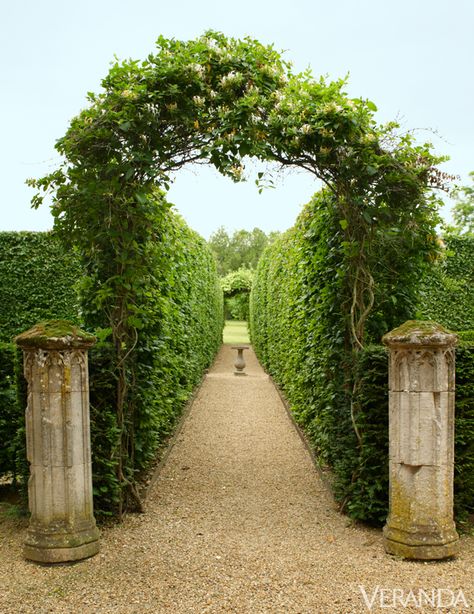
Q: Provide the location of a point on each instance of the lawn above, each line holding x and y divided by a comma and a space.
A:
236, 332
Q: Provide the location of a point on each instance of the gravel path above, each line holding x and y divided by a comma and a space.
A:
238, 521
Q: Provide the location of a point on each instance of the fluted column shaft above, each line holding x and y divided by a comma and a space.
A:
420, 524
62, 525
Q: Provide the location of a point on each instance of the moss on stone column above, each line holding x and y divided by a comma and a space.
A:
420, 524
62, 525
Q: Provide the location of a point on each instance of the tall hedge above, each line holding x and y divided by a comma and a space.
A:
447, 293
179, 340
298, 325
37, 281
178, 336
9, 415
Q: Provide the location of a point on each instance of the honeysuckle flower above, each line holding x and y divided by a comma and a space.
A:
231, 77
197, 68
129, 94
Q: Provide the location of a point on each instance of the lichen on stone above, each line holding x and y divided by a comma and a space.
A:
420, 332
55, 334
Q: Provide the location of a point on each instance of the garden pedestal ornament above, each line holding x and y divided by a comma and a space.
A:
62, 526
239, 361
420, 523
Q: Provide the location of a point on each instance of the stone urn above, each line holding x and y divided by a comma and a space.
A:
239, 363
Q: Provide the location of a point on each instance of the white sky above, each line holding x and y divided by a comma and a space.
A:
413, 58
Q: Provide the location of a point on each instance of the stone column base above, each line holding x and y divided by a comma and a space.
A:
60, 555
46, 546
421, 546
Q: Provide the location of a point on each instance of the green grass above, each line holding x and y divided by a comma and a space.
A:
236, 331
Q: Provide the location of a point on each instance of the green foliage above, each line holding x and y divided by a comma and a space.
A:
236, 307
302, 330
37, 281
218, 100
464, 427
240, 251
22, 468
10, 417
13, 463
237, 281
236, 286
367, 469
181, 332
463, 210
447, 293
363, 472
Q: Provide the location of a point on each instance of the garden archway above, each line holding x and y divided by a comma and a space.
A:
216, 100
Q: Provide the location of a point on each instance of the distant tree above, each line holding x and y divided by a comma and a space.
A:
219, 242
463, 210
242, 250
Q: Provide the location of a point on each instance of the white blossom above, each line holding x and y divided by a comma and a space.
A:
197, 68
231, 77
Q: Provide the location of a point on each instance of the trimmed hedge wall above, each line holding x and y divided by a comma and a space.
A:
37, 282
37, 277
9, 414
448, 292
341, 399
368, 496
188, 302
168, 362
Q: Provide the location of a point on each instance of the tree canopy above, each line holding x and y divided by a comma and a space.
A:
463, 210
241, 250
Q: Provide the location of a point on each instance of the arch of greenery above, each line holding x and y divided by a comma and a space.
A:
217, 100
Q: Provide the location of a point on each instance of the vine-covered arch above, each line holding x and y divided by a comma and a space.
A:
217, 100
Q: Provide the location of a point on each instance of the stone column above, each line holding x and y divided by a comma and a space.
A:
420, 524
62, 526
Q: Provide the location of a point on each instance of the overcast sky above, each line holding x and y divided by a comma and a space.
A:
413, 58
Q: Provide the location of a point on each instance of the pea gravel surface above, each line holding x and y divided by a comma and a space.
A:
238, 520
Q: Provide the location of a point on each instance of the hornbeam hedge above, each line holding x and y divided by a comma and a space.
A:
447, 294
179, 333
300, 317
37, 279
177, 342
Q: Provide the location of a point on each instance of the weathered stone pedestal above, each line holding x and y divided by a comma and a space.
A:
421, 380
239, 363
62, 526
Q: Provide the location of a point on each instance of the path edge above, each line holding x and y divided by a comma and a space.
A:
178, 428
304, 438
